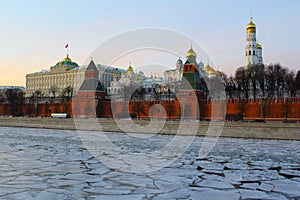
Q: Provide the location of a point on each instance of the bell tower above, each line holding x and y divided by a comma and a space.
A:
250, 49
253, 50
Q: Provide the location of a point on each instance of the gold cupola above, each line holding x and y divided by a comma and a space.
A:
251, 27
258, 46
190, 53
130, 69
209, 70
67, 58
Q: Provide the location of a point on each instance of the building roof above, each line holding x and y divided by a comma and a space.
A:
209, 70
67, 62
179, 62
92, 66
41, 72
191, 53
250, 24
130, 69
11, 87
153, 80
258, 46
109, 68
91, 85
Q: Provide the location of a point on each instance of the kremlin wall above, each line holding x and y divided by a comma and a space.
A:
274, 110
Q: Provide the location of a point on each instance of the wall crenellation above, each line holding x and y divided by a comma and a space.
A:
236, 109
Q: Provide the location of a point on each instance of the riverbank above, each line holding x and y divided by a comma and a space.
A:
229, 129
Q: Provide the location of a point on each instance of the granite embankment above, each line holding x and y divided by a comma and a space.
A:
227, 129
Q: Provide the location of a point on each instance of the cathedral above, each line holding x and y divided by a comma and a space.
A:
253, 50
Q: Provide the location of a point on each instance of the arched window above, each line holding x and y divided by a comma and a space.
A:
249, 53
253, 52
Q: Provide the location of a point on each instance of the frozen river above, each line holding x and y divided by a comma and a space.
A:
54, 164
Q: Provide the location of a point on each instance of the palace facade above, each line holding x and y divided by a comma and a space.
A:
65, 76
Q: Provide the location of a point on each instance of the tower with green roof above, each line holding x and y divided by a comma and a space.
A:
192, 88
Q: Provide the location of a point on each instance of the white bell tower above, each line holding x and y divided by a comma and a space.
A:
251, 50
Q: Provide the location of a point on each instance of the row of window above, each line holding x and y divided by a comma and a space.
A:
49, 86
248, 53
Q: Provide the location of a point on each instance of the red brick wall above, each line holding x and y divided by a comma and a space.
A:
275, 109
43, 109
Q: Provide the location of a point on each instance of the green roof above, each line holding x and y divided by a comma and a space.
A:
67, 62
191, 81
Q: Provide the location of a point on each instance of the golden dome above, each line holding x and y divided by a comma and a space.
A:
209, 70
251, 24
191, 53
258, 46
212, 72
67, 62
67, 58
130, 69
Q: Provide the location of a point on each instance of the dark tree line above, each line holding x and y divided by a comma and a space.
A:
15, 97
55, 95
260, 81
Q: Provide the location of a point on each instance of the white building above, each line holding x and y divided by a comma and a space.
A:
253, 50
66, 74
173, 76
122, 88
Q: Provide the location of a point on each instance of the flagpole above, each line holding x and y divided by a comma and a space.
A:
67, 49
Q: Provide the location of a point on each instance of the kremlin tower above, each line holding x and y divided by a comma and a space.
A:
91, 93
253, 50
192, 88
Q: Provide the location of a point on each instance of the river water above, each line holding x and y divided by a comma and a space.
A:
55, 164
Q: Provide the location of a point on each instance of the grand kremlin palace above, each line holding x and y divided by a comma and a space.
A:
65, 74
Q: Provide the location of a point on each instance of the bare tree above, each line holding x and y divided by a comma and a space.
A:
15, 97
286, 108
242, 81
230, 87
290, 85
53, 90
2, 98
297, 82
67, 94
243, 107
256, 78
37, 95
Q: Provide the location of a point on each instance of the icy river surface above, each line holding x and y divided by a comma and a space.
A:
55, 164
